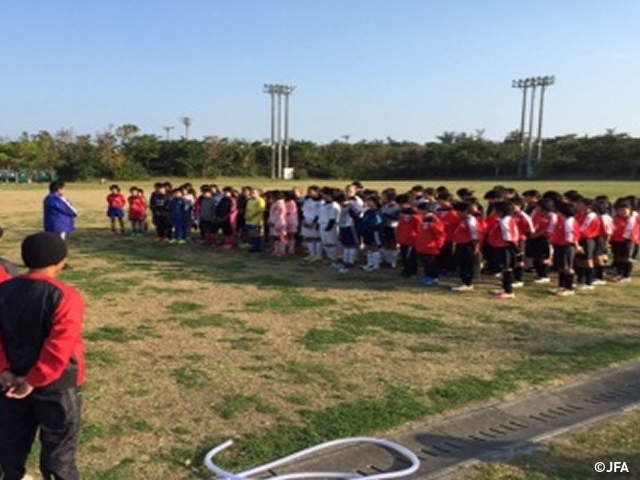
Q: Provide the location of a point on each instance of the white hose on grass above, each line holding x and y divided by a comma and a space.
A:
408, 455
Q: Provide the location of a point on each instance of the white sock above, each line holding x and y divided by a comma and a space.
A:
332, 252
392, 257
318, 247
376, 259
369, 259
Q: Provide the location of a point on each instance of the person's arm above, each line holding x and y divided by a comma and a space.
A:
64, 206
58, 348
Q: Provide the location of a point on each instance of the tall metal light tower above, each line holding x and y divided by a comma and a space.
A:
277, 91
187, 123
271, 90
168, 132
524, 84
286, 91
543, 82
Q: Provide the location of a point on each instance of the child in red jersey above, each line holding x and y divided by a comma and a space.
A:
137, 212
602, 207
525, 229
544, 220
408, 222
466, 240
623, 238
503, 236
590, 226
565, 240
430, 238
115, 211
449, 217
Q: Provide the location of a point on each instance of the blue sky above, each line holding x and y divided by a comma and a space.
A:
370, 69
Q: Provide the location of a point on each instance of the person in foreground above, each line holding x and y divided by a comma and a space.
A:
41, 363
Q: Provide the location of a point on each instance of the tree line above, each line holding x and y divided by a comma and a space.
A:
125, 153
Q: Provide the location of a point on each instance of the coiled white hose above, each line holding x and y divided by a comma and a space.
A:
404, 452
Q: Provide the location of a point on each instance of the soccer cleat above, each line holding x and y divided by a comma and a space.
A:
370, 268
599, 281
429, 282
173, 241
462, 288
504, 296
582, 286
624, 280
541, 280
554, 291
565, 292
343, 270
517, 284
336, 265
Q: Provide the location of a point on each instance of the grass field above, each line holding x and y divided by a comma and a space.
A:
575, 457
189, 346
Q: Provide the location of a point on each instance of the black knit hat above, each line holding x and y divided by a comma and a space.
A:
42, 250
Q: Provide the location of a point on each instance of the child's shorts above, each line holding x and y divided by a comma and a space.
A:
309, 232
372, 239
563, 257
349, 237
114, 212
329, 237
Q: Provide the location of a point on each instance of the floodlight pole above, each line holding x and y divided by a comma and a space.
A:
168, 132
524, 85
529, 171
187, 123
271, 90
279, 132
277, 91
287, 90
545, 82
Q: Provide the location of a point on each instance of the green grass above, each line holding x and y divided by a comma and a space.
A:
207, 321
318, 339
310, 373
105, 358
428, 348
190, 378
111, 334
288, 301
123, 470
350, 328
587, 319
232, 405
180, 308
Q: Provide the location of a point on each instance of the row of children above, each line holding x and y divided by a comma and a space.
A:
568, 232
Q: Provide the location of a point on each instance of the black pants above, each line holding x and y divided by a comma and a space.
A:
57, 414
447, 260
408, 259
163, 227
465, 261
431, 265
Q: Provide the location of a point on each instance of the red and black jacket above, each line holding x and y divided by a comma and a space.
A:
40, 331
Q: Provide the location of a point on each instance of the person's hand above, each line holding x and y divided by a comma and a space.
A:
7, 380
21, 389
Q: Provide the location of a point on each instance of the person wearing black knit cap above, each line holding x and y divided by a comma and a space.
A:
42, 363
